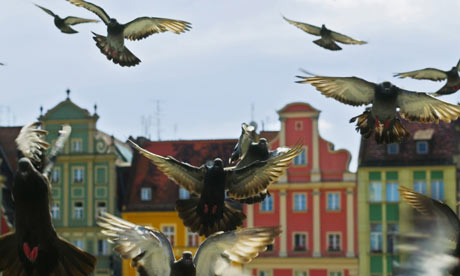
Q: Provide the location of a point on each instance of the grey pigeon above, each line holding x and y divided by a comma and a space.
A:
381, 118
453, 79
207, 211
152, 253
328, 37
248, 136
439, 227
113, 46
64, 24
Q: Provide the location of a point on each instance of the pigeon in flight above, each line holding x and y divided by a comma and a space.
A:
328, 37
453, 79
381, 118
35, 248
441, 228
64, 24
152, 253
248, 136
113, 46
207, 211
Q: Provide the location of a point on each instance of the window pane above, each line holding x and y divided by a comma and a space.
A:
376, 237
300, 202
333, 201
392, 192
375, 192
267, 204
183, 194
146, 193
420, 186
301, 159
300, 242
437, 189
392, 232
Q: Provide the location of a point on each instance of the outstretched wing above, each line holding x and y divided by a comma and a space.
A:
305, 27
46, 10
94, 8
72, 20
31, 142
57, 148
185, 175
149, 249
142, 27
253, 179
348, 90
345, 39
216, 254
421, 107
424, 74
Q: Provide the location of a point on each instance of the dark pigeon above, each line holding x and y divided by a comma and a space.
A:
207, 211
438, 228
453, 79
328, 37
152, 253
381, 118
113, 46
64, 24
35, 248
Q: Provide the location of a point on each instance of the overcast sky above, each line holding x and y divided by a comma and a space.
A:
237, 53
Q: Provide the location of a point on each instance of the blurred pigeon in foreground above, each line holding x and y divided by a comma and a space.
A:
207, 211
35, 248
453, 79
436, 250
152, 253
381, 118
328, 37
63, 24
113, 46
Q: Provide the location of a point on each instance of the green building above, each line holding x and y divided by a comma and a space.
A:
426, 163
84, 180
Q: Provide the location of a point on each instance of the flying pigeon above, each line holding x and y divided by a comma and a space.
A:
441, 227
113, 46
35, 248
453, 79
152, 253
328, 37
381, 118
248, 136
207, 211
63, 24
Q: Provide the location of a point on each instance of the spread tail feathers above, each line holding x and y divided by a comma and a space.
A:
394, 132
187, 209
123, 57
328, 45
71, 260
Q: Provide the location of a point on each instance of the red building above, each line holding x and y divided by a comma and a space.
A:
315, 204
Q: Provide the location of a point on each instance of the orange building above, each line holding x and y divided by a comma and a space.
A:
315, 204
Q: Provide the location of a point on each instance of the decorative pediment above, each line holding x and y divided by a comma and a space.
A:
66, 110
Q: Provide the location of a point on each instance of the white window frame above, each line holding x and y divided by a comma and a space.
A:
375, 196
170, 235
267, 205
301, 160
393, 192
78, 212
299, 201
336, 245
334, 204
104, 250
77, 145
299, 248
78, 171
146, 193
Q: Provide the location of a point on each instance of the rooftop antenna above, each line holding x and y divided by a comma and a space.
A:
146, 123
68, 93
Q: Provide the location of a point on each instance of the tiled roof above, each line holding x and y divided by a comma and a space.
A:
164, 191
442, 141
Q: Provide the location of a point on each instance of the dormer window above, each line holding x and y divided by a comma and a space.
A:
422, 147
393, 149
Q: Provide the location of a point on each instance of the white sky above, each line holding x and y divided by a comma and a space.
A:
238, 52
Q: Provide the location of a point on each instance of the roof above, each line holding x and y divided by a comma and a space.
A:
269, 135
164, 191
442, 141
8, 145
298, 107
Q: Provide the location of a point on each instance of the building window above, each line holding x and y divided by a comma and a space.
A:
375, 192
333, 242
183, 193
437, 189
101, 208
78, 210
269, 248
301, 159
102, 247
335, 273
376, 237
333, 201
393, 149
80, 244
300, 202
422, 147
56, 175
392, 233
146, 194
55, 210
192, 239
298, 125
392, 192
264, 273
420, 186
300, 273
77, 175
267, 204
300, 242
169, 232
77, 145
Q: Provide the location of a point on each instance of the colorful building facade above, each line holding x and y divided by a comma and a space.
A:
426, 163
315, 204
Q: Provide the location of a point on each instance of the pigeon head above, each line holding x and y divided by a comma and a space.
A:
387, 88
218, 163
113, 22
28, 174
187, 257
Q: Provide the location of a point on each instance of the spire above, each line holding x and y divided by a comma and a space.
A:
68, 93
41, 110
95, 108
